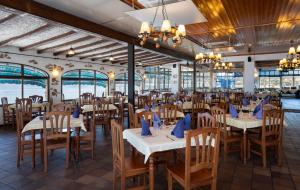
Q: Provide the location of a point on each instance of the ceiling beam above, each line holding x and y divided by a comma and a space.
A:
39, 29
154, 59
81, 47
46, 41
118, 55
140, 56
134, 3
159, 63
106, 46
104, 52
7, 18
66, 44
56, 15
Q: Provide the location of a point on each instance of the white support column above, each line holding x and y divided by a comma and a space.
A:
211, 82
249, 78
175, 79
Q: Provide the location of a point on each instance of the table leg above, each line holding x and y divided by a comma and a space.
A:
33, 148
245, 146
151, 173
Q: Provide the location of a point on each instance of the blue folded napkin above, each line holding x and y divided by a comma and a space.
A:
145, 128
146, 108
266, 99
156, 120
254, 98
259, 114
256, 109
76, 112
245, 102
178, 131
187, 122
153, 106
233, 111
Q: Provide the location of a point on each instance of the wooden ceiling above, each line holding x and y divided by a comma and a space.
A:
28, 32
247, 26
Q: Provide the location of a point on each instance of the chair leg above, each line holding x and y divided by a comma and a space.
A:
19, 155
45, 159
214, 184
225, 150
279, 152
264, 156
67, 157
114, 179
170, 181
123, 182
93, 150
33, 153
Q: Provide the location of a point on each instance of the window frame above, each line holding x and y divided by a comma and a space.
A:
79, 79
23, 77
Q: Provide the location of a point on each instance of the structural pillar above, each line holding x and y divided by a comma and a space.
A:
131, 74
194, 76
249, 78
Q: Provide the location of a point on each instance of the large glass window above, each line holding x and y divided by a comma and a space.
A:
229, 80
202, 80
186, 78
121, 83
20, 81
77, 82
157, 78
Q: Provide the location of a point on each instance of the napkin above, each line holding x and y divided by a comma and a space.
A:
187, 122
153, 106
76, 112
266, 99
146, 108
145, 128
259, 114
254, 98
233, 111
156, 120
178, 131
256, 109
245, 102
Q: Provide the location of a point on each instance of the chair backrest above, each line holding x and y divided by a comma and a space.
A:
272, 124
202, 151
131, 116
220, 118
36, 98
148, 115
101, 110
205, 120
65, 107
117, 146
4, 101
19, 123
168, 112
143, 101
56, 125
167, 96
224, 105
25, 106
86, 99
269, 107
121, 108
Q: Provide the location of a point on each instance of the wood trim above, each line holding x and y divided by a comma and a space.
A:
39, 29
7, 18
80, 47
134, 3
104, 52
56, 15
43, 42
67, 43
98, 48
119, 55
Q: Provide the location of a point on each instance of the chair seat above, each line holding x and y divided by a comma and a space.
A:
256, 139
134, 165
232, 136
28, 137
199, 177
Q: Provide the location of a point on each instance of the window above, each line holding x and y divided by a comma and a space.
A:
186, 78
20, 81
121, 83
229, 80
157, 78
202, 80
77, 82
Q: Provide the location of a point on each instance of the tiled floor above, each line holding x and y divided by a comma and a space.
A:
89, 174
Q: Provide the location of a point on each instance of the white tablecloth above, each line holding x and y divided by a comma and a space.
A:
34, 105
162, 141
179, 113
189, 105
89, 108
37, 124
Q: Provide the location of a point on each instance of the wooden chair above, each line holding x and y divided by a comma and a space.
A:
124, 167
8, 115
198, 106
143, 101
168, 112
101, 115
148, 116
201, 162
54, 135
85, 99
121, 112
25, 106
224, 105
36, 99
167, 96
205, 120
26, 142
271, 136
131, 116
63, 107
228, 137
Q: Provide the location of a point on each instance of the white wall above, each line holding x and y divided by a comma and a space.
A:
41, 61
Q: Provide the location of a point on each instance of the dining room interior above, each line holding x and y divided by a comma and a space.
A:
149, 94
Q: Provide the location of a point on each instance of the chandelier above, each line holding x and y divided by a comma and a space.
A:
292, 60
223, 66
163, 33
208, 58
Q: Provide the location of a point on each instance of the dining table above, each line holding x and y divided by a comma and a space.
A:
244, 121
161, 140
179, 114
35, 106
89, 108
